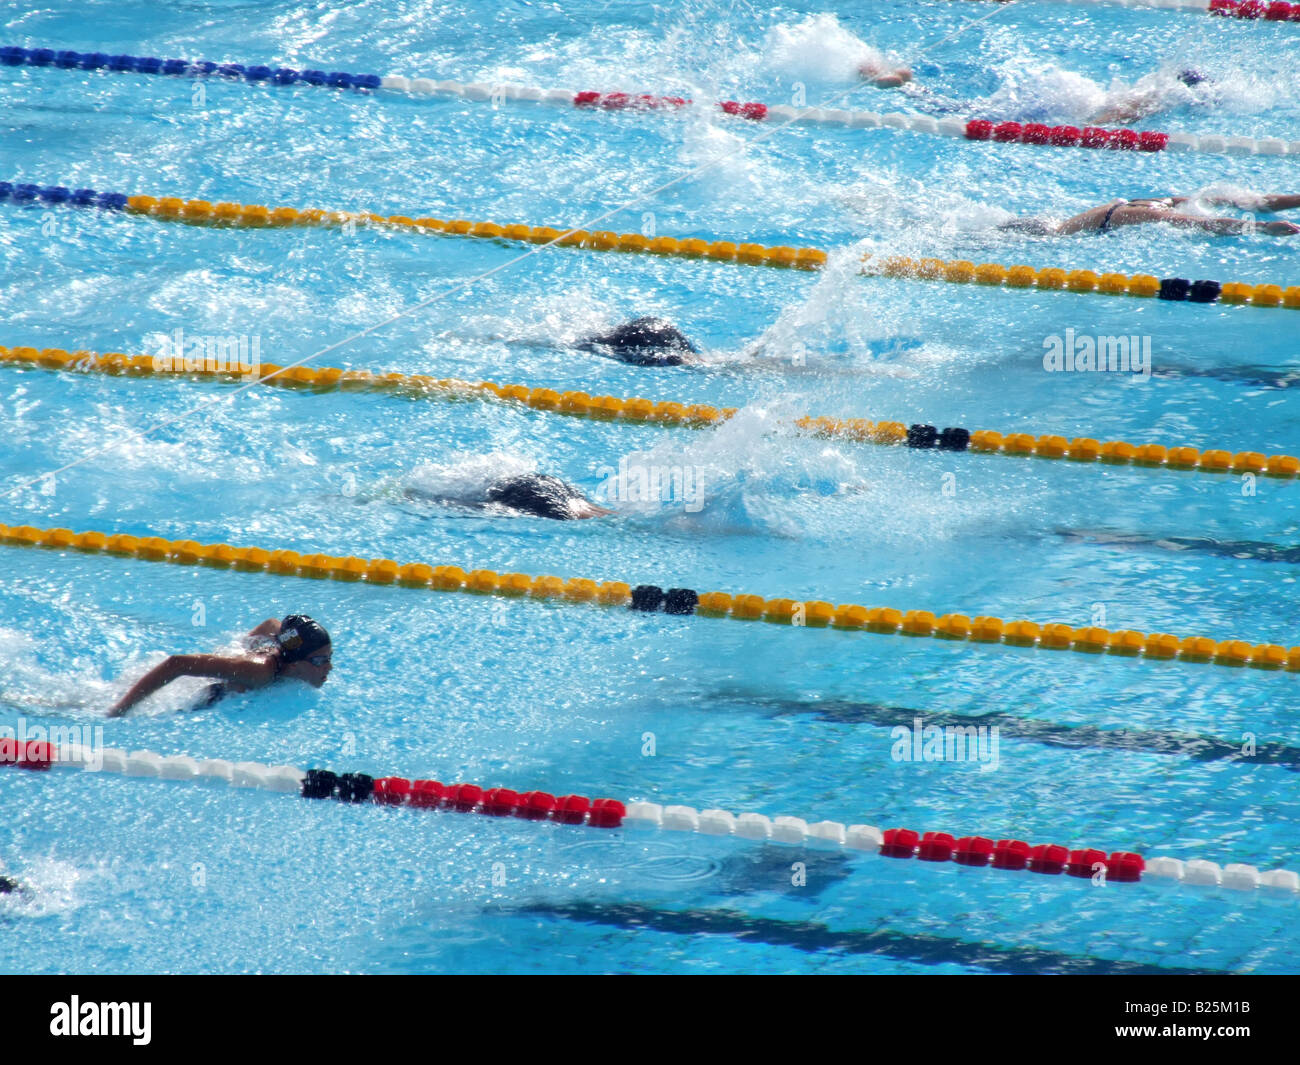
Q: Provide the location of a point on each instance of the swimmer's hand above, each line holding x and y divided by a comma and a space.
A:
584, 508
1279, 229
885, 79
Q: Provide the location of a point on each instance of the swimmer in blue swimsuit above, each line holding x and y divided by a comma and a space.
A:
296, 647
1110, 216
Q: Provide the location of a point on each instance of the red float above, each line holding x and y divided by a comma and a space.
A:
1048, 858
935, 847
619, 101
426, 793
1083, 862
392, 791
464, 797
1010, 854
1124, 867
753, 111
535, 805
571, 809
606, 813
973, 850
899, 843
30, 755
500, 802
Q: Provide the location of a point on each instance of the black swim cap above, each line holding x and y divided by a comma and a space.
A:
299, 637
1192, 77
535, 493
645, 342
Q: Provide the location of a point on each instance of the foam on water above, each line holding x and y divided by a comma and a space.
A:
818, 49
465, 480
832, 317
49, 886
30, 686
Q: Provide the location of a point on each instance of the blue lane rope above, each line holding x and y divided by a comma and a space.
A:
47, 57
59, 194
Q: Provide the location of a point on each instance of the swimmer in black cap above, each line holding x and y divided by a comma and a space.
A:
643, 342
1116, 213
543, 496
538, 494
296, 647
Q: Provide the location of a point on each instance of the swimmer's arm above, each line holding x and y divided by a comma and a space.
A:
1247, 202
1277, 202
263, 637
1209, 225
246, 672
1138, 105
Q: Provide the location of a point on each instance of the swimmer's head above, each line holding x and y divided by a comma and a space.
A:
538, 494
1191, 77
644, 341
305, 649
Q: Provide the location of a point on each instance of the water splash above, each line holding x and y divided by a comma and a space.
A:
819, 49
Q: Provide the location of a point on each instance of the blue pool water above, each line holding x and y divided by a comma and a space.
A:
138, 875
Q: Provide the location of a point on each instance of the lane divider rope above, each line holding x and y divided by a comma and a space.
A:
202, 212
1265, 10
981, 630
900, 843
673, 414
968, 129
1052, 278
959, 271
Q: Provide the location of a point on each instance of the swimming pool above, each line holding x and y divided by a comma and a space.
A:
1121, 753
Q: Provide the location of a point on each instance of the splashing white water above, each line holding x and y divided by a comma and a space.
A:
47, 886
819, 49
465, 480
30, 687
